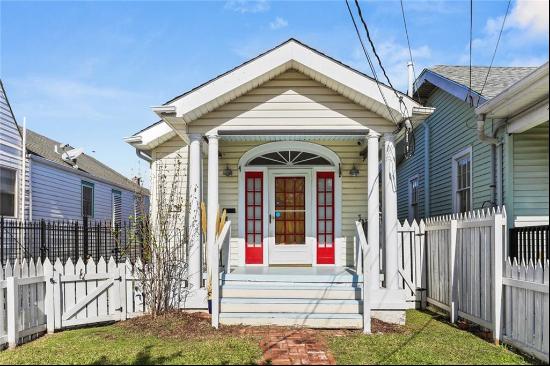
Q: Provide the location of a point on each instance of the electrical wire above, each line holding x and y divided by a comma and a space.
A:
496, 48
407, 34
469, 96
371, 65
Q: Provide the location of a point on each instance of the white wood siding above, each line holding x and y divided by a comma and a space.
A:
530, 172
10, 144
56, 194
294, 101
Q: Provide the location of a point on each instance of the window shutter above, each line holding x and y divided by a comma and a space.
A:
117, 207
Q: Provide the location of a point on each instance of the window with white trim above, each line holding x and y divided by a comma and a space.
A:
462, 181
7, 191
414, 212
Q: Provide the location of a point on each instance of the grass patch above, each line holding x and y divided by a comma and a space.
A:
123, 343
424, 340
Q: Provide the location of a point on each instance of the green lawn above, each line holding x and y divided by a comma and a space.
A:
115, 345
425, 340
183, 339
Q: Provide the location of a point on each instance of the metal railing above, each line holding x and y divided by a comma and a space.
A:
529, 243
65, 239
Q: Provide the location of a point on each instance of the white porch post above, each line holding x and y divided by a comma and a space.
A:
390, 212
373, 208
194, 228
212, 192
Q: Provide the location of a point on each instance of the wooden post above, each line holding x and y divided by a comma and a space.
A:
50, 309
57, 292
13, 311
122, 291
499, 226
452, 286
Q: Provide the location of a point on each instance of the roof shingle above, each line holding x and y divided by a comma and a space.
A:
42, 146
499, 78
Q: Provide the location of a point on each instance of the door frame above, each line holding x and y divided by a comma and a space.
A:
324, 151
311, 228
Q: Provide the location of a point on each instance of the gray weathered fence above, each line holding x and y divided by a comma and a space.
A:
465, 277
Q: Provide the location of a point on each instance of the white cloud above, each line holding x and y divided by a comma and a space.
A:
278, 23
530, 15
247, 6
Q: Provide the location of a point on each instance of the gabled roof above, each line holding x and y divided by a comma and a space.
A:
292, 54
44, 147
456, 80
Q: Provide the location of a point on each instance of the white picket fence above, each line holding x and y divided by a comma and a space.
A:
465, 277
39, 297
412, 259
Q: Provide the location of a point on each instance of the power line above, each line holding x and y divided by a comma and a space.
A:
496, 48
407, 34
371, 65
471, 41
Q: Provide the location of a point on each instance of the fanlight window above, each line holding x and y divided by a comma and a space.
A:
289, 158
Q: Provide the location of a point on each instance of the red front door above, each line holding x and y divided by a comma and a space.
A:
325, 218
254, 250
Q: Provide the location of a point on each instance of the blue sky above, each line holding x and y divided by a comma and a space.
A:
87, 72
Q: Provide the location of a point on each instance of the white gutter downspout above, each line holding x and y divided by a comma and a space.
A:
496, 156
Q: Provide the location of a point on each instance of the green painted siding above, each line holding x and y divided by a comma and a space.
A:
408, 169
452, 128
530, 172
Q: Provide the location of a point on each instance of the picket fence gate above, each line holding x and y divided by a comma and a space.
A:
39, 298
468, 277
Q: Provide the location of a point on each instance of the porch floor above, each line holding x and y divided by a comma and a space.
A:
328, 274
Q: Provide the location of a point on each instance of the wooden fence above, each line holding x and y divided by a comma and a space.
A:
36, 298
412, 260
466, 278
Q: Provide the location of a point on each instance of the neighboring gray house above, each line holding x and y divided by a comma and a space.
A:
468, 158
56, 185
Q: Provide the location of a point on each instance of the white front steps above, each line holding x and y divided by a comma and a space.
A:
312, 297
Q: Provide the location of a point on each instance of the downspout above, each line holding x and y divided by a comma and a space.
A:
427, 170
496, 156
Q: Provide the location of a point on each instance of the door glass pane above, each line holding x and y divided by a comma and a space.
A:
289, 212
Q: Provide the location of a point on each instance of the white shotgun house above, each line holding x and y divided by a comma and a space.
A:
293, 145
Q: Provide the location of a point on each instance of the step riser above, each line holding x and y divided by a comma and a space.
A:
310, 323
317, 294
311, 308
290, 283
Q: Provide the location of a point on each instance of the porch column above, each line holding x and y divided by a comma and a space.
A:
212, 193
390, 212
194, 225
373, 208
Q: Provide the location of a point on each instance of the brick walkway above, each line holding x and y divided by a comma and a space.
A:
293, 347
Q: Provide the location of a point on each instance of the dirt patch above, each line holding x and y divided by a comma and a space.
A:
180, 325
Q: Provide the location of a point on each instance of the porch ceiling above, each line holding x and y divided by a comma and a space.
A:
293, 135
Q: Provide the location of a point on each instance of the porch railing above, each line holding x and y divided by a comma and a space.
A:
529, 243
220, 259
363, 266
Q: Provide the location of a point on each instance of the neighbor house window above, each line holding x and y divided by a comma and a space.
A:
87, 199
117, 206
462, 181
7, 192
414, 213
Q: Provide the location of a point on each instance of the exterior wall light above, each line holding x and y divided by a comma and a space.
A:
354, 172
227, 171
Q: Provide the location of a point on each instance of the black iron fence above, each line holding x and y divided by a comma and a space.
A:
73, 239
529, 243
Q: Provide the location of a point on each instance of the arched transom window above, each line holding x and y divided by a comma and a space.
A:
289, 158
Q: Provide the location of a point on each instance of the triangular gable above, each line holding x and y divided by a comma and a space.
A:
292, 54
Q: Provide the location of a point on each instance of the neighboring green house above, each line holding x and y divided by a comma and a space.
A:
483, 147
